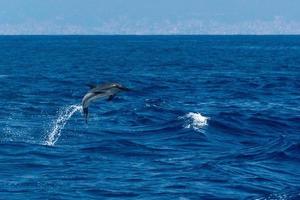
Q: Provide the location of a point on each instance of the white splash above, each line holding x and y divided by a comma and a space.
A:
195, 121
64, 115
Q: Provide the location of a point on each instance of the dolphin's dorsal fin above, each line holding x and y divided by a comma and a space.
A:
91, 85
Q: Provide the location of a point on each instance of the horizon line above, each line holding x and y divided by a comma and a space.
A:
150, 34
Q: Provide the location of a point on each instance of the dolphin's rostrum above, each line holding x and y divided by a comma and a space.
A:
100, 91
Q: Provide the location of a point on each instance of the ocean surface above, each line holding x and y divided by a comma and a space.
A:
208, 117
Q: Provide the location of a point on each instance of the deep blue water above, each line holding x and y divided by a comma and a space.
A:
209, 117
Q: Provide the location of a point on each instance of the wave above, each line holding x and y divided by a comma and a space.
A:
195, 121
288, 195
15, 130
63, 117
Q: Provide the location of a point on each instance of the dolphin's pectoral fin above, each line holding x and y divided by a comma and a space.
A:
91, 85
111, 97
99, 92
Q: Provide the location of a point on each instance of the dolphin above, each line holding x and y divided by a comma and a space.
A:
98, 92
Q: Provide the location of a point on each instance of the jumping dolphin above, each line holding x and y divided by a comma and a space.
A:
100, 91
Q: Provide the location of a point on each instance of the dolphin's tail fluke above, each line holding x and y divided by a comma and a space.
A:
86, 114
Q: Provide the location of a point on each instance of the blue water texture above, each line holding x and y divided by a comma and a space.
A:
208, 117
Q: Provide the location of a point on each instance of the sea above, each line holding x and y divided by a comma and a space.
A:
207, 117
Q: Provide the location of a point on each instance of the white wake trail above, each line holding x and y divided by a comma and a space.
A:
64, 115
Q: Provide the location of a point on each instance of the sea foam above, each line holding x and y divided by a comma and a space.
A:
195, 121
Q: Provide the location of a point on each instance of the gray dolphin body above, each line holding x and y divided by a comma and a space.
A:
98, 92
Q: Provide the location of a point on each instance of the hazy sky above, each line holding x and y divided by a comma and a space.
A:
149, 16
